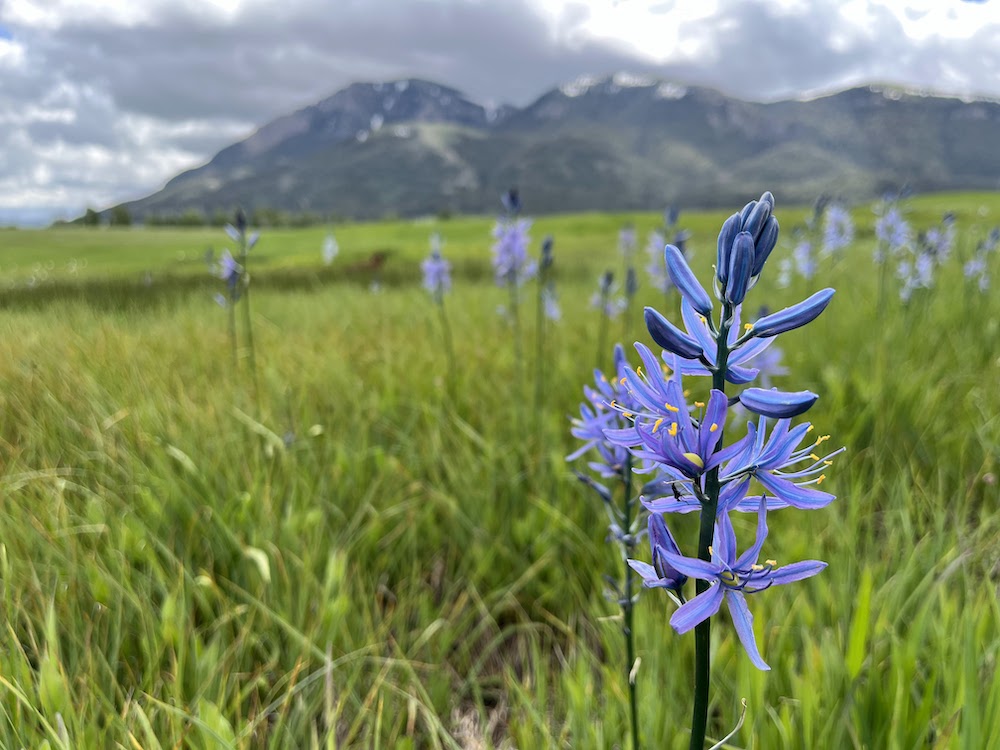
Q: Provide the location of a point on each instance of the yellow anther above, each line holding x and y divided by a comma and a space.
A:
686, 393
828, 463
810, 428
699, 404
703, 319
613, 403
748, 326
821, 478
695, 459
710, 550
656, 424
756, 566
627, 414
671, 408
714, 427
822, 439
772, 563
673, 429
814, 457
638, 370
622, 381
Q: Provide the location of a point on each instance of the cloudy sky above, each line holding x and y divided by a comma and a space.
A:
104, 100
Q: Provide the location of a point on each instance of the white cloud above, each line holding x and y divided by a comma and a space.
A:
103, 100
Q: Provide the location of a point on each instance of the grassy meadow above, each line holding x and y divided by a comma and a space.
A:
380, 553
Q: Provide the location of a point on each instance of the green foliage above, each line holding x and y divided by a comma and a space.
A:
120, 217
368, 563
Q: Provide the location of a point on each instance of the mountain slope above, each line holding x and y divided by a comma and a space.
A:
621, 142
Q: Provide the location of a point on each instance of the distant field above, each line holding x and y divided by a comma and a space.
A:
67, 253
376, 552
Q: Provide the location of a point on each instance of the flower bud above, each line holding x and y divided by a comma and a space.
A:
777, 404
764, 245
726, 238
671, 338
792, 317
741, 262
684, 279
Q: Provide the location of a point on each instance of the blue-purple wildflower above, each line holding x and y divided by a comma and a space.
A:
838, 229
680, 440
437, 271
732, 577
330, 249
511, 262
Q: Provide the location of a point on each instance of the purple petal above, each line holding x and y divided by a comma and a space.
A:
698, 329
796, 572
743, 621
740, 375
645, 570
693, 567
715, 417
626, 437
803, 498
749, 350
725, 540
733, 493
660, 536
697, 610
670, 504
749, 557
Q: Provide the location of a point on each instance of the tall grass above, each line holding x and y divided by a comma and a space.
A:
370, 562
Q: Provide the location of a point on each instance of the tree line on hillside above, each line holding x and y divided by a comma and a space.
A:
120, 216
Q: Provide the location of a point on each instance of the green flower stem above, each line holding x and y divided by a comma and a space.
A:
540, 352
247, 320
449, 349
231, 312
602, 335
627, 607
703, 631
518, 380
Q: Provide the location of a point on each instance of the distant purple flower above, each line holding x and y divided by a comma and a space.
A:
805, 264
769, 365
437, 272
604, 300
511, 201
511, 262
656, 268
605, 408
550, 305
627, 241
229, 271
976, 270
731, 578
892, 232
330, 249
838, 229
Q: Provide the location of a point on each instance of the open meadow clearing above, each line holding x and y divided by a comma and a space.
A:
381, 545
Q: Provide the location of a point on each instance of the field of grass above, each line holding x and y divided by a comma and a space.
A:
369, 558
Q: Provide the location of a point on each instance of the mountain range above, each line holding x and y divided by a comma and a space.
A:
620, 142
